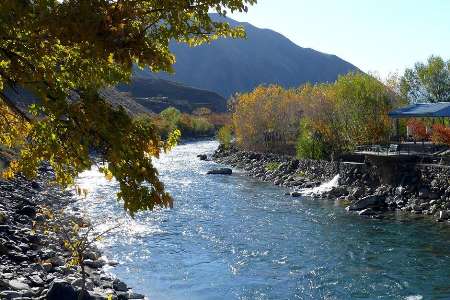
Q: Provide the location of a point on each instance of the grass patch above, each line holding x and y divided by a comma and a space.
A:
300, 174
272, 166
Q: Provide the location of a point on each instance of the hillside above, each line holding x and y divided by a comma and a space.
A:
227, 66
23, 99
158, 94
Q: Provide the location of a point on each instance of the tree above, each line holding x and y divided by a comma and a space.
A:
428, 82
172, 116
63, 51
225, 135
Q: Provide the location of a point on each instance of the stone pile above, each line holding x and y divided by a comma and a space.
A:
426, 191
34, 264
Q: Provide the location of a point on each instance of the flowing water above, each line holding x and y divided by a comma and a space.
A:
233, 237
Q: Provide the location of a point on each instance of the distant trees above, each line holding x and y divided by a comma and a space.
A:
322, 120
189, 125
266, 117
427, 82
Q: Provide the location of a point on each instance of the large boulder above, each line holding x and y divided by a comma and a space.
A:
221, 171
366, 202
18, 285
119, 285
28, 210
442, 215
338, 191
202, 156
367, 212
61, 290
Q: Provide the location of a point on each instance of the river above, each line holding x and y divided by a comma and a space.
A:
233, 237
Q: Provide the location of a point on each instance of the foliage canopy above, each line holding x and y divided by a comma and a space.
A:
63, 52
427, 82
320, 120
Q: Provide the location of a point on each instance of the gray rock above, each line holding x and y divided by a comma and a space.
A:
358, 192
296, 194
36, 280
202, 156
3, 249
95, 264
133, 295
28, 210
3, 284
35, 185
424, 193
18, 285
338, 191
57, 261
47, 266
366, 202
221, 171
10, 295
113, 263
17, 257
434, 196
91, 255
79, 282
119, 285
442, 215
367, 212
61, 290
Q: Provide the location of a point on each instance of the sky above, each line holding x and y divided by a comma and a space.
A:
381, 36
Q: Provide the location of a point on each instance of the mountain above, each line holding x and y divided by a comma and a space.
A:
158, 94
227, 66
22, 99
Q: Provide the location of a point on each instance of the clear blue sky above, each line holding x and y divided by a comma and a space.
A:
375, 35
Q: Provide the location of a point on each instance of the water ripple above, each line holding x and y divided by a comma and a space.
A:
232, 237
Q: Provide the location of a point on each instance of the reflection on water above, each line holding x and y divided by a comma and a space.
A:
232, 237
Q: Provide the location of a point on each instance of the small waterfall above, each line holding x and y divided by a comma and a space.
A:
324, 187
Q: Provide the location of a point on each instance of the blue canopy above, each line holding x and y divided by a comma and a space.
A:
422, 110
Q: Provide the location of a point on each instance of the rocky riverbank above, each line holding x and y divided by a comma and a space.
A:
34, 263
422, 190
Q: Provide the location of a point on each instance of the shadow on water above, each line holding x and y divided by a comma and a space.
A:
232, 237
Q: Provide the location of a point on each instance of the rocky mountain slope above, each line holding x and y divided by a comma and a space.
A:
227, 66
157, 94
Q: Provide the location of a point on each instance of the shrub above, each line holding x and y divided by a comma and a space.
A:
309, 147
272, 166
201, 126
171, 116
224, 135
440, 134
419, 130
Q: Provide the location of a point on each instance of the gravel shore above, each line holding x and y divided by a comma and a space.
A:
35, 264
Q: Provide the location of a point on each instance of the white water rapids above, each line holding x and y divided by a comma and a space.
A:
323, 188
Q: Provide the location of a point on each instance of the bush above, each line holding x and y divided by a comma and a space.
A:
441, 135
224, 135
309, 143
309, 147
201, 126
190, 126
272, 166
419, 130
